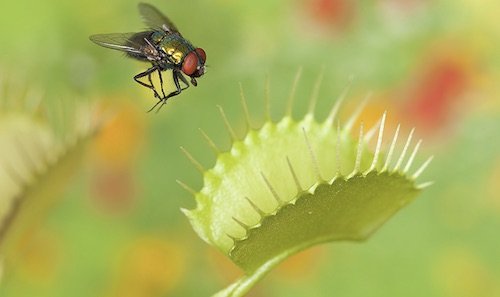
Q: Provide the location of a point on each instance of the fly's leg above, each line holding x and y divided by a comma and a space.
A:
161, 84
148, 74
184, 80
151, 84
176, 75
164, 98
160, 101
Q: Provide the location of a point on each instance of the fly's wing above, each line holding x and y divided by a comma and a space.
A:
154, 19
130, 43
117, 41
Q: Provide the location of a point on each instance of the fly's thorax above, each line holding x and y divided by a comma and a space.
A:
175, 48
157, 36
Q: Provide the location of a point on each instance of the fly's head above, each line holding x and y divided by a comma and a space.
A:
194, 64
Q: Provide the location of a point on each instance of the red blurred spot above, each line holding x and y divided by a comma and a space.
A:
437, 93
116, 148
113, 190
331, 12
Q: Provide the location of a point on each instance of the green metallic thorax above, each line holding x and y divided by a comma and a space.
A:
173, 45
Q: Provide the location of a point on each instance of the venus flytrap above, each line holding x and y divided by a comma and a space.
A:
35, 165
289, 185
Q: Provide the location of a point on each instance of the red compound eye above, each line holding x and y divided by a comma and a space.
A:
190, 63
201, 53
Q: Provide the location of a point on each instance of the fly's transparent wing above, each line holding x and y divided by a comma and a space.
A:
154, 19
118, 41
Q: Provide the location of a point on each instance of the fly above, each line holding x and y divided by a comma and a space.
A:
164, 47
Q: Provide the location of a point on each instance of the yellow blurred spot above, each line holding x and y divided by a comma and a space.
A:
121, 138
151, 267
483, 13
37, 256
371, 115
458, 272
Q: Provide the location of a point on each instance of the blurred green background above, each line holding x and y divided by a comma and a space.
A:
119, 232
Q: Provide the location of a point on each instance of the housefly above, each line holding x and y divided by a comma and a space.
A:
164, 47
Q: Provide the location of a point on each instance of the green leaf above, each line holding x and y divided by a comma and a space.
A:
347, 209
35, 167
291, 185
